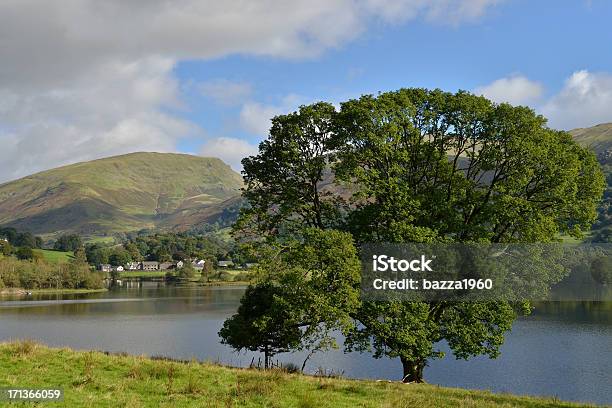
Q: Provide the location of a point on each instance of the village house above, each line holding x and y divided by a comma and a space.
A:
166, 265
150, 265
133, 266
118, 268
198, 264
225, 264
179, 264
105, 267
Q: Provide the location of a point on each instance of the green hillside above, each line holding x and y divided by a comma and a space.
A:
116, 194
599, 138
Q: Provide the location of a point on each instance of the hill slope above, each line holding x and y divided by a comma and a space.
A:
599, 138
116, 194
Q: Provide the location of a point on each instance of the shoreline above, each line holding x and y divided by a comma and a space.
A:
114, 379
26, 292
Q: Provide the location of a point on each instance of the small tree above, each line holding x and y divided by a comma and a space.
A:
186, 272
6, 248
207, 270
261, 324
24, 253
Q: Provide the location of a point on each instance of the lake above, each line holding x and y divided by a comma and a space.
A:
562, 350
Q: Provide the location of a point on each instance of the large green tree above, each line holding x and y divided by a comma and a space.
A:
431, 167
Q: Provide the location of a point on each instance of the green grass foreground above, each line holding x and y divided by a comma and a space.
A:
95, 379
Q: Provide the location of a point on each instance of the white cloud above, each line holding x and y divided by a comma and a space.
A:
229, 149
255, 117
585, 100
81, 79
226, 92
516, 90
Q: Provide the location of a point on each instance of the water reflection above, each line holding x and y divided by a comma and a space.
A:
563, 349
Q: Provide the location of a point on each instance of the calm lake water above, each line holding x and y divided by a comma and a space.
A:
563, 349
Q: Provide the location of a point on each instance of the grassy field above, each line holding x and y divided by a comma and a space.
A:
54, 256
94, 379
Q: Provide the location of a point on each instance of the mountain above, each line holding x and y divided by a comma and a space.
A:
599, 138
120, 194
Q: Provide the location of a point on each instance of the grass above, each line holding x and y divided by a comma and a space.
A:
95, 379
52, 256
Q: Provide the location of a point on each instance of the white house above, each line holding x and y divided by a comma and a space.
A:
198, 264
180, 264
118, 268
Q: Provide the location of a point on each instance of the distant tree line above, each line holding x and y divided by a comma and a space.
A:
38, 274
20, 239
163, 247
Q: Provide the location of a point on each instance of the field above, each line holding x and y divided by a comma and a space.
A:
54, 256
102, 380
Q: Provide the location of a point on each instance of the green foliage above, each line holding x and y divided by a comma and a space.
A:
283, 179
119, 256
261, 324
97, 254
315, 279
179, 246
24, 253
39, 274
17, 239
68, 243
601, 270
6, 248
426, 166
186, 272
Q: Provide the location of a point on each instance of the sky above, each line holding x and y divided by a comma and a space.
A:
83, 79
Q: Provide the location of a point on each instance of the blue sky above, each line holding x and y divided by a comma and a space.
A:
538, 40
205, 77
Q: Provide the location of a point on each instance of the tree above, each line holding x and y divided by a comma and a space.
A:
424, 166
438, 167
207, 270
601, 270
119, 256
97, 254
24, 253
68, 243
260, 324
294, 156
315, 278
186, 272
6, 248
133, 250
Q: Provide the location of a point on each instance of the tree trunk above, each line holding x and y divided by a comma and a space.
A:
413, 370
